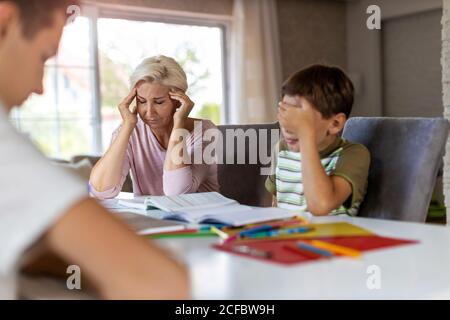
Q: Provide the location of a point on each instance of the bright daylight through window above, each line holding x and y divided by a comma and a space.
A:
63, 121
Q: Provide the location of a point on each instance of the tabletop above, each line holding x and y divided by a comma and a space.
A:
415, 271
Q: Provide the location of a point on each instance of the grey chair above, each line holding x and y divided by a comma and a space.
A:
406, 154
244, 182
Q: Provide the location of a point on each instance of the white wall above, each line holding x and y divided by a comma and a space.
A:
311, 31
412, 74
364, 48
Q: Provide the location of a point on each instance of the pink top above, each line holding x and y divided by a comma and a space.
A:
145, 157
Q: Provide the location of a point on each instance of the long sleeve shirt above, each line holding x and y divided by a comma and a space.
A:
145, 158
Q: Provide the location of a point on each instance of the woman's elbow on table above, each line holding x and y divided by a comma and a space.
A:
104, 194
179, 181
173, 189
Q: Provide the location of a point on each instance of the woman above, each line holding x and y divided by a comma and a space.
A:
148, 140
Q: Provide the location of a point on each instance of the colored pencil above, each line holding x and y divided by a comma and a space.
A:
349, 252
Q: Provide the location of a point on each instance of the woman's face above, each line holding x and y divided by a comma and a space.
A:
154, 105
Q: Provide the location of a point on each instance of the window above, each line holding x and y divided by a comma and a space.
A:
60, 121
123, 44
90, 76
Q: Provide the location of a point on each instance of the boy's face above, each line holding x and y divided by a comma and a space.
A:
323, 130
21, 59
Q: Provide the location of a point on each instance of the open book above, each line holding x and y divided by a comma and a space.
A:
207, 207
143, 225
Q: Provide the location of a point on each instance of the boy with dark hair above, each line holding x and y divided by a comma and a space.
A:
42, 208
314, 169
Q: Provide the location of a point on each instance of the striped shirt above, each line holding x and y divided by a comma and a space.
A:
342, 158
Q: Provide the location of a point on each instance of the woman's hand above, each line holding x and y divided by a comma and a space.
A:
129, 117
186, 105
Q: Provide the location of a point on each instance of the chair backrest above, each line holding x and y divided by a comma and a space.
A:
245, 182
406, 154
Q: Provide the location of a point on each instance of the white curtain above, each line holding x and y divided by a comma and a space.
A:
255, 66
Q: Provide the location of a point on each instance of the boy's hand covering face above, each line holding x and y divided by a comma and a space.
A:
297, 120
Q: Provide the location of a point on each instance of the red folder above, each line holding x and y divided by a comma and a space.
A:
279, 253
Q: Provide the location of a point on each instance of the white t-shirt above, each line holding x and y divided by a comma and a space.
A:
33, 195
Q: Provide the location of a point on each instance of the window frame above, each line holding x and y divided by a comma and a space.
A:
97, 11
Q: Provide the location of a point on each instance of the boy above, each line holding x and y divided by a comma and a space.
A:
314, 169
42, 208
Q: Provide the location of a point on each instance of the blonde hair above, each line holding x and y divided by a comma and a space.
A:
161, 69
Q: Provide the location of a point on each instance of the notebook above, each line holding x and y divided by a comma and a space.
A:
207, 207
190, 201
137, 203
231, 215
144, 225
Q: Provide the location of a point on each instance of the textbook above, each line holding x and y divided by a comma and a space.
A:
137, 203
189, 201
144, 225
207, 207
185, 202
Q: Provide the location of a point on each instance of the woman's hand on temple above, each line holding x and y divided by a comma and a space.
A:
186, 105
129, 117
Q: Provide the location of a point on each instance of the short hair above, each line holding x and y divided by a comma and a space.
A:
161, 69
38, 14
327, 88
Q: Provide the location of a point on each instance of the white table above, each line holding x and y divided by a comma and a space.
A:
407, 272
411, 271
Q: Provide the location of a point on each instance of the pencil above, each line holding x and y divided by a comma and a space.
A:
323, 252
219, 232
302, 252
336, 248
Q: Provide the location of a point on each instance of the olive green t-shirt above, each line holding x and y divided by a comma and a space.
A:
342, 158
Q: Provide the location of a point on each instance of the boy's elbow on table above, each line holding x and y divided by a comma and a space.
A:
317, 211
321, 208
